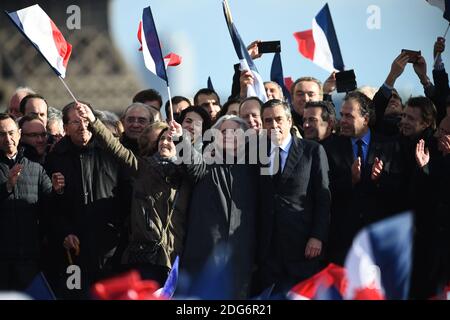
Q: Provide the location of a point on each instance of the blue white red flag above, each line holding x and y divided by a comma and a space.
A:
246, 62
151, 49
170, 60
379, 261
44, 35
276, 75
332, 278
320, 44
171, 283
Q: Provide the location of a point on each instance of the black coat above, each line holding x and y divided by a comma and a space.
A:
354, 207
89, 206
431, 256
21, 210
223, 210
296, 207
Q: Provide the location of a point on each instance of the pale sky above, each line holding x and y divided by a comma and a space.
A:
197, 31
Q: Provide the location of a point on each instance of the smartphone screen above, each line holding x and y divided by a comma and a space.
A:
413, 55
269, 46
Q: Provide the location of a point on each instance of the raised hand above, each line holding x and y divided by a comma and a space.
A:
58, 182
377, 168
397, 68
439, 46
14, 174
356, 171
253, 50
245, 80
330, 84
422, 154
444, 143
85, 112
420, 68
175, 130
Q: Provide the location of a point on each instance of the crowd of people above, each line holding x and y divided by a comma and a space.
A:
284, 184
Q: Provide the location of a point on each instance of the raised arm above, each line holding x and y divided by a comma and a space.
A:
107, 140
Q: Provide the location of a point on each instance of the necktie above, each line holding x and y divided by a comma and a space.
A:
280, 169
360, 152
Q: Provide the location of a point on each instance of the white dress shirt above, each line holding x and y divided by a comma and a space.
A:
284, 149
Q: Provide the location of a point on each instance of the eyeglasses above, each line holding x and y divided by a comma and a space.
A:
35, 134
78, 123
140, 120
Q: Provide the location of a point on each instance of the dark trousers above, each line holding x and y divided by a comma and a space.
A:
17, 275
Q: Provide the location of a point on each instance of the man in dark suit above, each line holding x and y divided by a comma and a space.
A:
366, 176
296, 216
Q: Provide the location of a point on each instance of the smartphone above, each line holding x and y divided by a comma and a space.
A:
345, 81
269, 46
413, 55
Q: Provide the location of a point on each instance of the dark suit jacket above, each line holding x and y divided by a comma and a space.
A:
354, 207
296, 208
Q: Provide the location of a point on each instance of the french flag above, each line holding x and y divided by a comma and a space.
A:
42, 32
379, 261
444, 5
170, 60
257, 89
168, 290
332, 279
276, 75
320, 43
151, 49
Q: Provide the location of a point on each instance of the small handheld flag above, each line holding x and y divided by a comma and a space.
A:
320, 43
257, 89
151, 51
43, 34
276, 75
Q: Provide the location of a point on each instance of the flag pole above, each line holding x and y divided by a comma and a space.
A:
439, 54
68, 89
170, 115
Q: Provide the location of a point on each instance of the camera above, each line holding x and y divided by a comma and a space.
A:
269, 46
413, 55
345, 81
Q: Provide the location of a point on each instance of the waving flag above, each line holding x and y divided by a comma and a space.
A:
276, 75
320, 43
171, 283
257, 89
379, 262
331, 279
444, 5
170, 60
151, 49
39, 289
43, 34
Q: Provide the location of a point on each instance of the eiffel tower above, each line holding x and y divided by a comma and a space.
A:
96, 72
